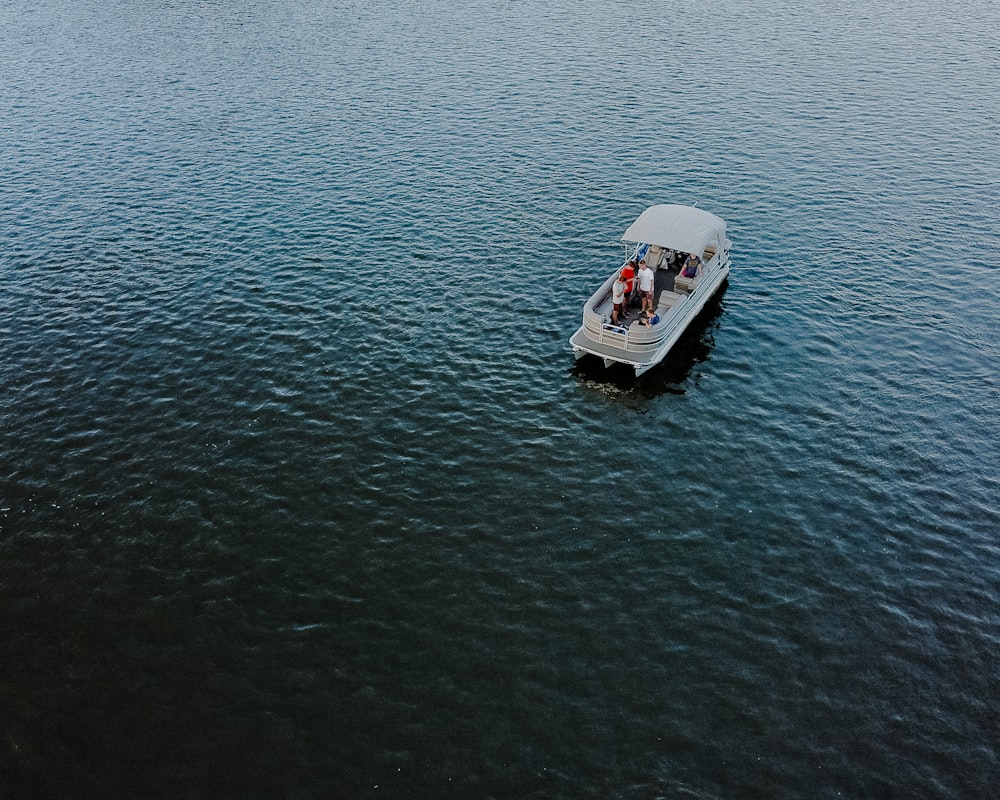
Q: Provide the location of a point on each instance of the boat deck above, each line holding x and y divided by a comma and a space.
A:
663, 281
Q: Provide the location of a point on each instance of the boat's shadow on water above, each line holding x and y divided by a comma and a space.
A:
671, 374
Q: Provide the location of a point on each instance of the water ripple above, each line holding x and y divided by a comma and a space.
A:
301, 491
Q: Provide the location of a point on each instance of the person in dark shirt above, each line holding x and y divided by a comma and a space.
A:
690, 269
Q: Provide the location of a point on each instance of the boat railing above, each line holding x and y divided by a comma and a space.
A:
635, 339
638, 253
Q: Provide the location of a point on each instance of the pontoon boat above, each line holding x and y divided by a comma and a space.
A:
664, 236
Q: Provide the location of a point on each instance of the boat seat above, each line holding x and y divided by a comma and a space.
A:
666, 299
654, 257
682, 284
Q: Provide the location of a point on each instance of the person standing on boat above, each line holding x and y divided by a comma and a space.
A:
618, 298
646, 285
628, 275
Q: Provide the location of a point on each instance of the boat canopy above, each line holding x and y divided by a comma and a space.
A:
683, 228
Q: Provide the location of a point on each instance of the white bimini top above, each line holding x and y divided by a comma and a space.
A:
683, 228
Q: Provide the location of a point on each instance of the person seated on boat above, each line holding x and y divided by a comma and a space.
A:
690, 269
628, 275
673, 257
646, 279
649, 318
618, 298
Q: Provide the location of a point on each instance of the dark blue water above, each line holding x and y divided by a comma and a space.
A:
302, 494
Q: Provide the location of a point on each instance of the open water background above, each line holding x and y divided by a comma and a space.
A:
302, 495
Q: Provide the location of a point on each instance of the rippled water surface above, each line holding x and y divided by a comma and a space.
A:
302, 494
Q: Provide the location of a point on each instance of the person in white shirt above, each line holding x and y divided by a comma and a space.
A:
646, 286
618, 298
